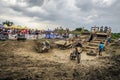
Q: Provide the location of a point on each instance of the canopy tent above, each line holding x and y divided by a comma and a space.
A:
19, 27
6, 26
50, 36
25, 27
49, 30
13, 26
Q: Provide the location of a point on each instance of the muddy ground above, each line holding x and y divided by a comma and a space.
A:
19, 61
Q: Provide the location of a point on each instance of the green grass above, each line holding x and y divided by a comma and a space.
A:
115, 35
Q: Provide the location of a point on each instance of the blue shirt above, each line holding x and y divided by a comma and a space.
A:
101, 46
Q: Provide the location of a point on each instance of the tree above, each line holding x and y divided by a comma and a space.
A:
86, 30
115, 35
8, 23
78, 29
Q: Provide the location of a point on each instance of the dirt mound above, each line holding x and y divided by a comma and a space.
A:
113, 49
41, 70
17, 63
6, 49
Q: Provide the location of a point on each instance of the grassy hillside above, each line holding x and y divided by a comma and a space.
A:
115, 35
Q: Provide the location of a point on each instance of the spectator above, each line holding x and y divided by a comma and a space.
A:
119, 40
108, 40
105, 29
101, 29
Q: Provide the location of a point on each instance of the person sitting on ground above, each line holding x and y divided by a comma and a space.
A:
101, 48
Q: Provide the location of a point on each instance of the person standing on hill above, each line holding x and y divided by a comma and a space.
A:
101, 48
101, 29
105, 29
119, 40
108, 39
78, 55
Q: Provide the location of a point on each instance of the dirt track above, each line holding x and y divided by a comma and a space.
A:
19, 61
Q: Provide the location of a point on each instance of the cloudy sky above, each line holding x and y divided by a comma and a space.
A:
45, 14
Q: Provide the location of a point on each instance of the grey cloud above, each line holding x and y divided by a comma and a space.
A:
35, 2
54, 13
84, 5
58, 12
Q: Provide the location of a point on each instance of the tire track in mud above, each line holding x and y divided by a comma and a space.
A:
24, 64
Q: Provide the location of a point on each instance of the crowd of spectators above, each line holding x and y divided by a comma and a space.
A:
35, 33
102, 29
